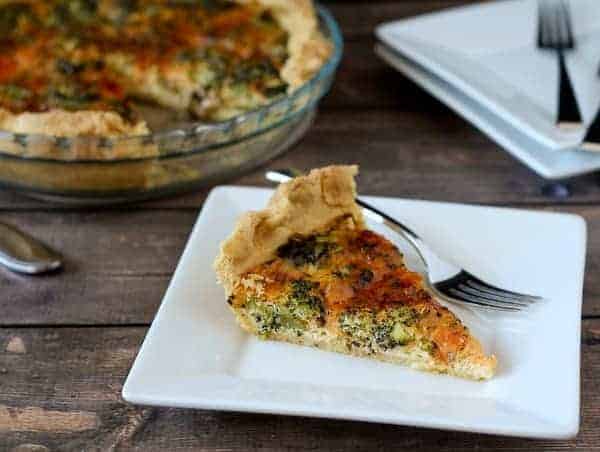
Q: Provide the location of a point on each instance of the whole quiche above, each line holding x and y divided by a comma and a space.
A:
77, 67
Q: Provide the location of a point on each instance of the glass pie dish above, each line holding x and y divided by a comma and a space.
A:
68, 170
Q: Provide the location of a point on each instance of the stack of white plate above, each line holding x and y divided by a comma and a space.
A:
482, 61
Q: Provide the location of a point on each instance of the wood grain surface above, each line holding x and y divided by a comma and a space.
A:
62, 392
67, 340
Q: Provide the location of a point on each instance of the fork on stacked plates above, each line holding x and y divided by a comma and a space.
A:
555, 33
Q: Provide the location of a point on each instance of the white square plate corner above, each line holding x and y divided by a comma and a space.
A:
500, 68
547, 162
195, 355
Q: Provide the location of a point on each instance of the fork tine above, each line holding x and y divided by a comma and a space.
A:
486, 287
545, 24
566, 20
558, 26
541, 22
549, 25
471, 299
492, 297
550, 31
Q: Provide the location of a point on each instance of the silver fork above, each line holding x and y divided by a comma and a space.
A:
555, 33
447, 281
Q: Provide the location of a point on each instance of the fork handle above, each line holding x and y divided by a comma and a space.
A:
431, 261
386, 219
569, 115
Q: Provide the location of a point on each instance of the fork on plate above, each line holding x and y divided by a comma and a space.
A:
555, 33
444, 279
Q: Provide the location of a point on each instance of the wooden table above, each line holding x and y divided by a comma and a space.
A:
67, 340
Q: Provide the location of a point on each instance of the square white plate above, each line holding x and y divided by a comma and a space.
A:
489, 53
545, 161
195, 355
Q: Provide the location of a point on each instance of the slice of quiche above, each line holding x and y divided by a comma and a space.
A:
306, 270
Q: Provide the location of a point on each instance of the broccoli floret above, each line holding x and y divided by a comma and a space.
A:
389, 335
266, 316
303, 301
392, 327
306, 250
428, 346
301, 288
386, 330
358, 327
299, 308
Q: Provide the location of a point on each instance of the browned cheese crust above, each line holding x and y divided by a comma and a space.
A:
306, 270
307, 51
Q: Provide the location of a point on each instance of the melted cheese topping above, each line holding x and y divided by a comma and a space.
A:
213, 57
364, 288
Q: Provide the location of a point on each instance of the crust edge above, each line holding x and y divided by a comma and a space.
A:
308, 49
71, 123
302, 206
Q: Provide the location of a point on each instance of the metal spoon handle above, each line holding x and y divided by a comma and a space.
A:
24, 254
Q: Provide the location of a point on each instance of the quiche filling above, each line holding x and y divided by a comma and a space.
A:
305, 270
351, 282
211, 58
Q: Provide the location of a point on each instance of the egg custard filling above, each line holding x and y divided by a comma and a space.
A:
344, 288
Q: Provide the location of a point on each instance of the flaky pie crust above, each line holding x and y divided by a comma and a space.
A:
301, 206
